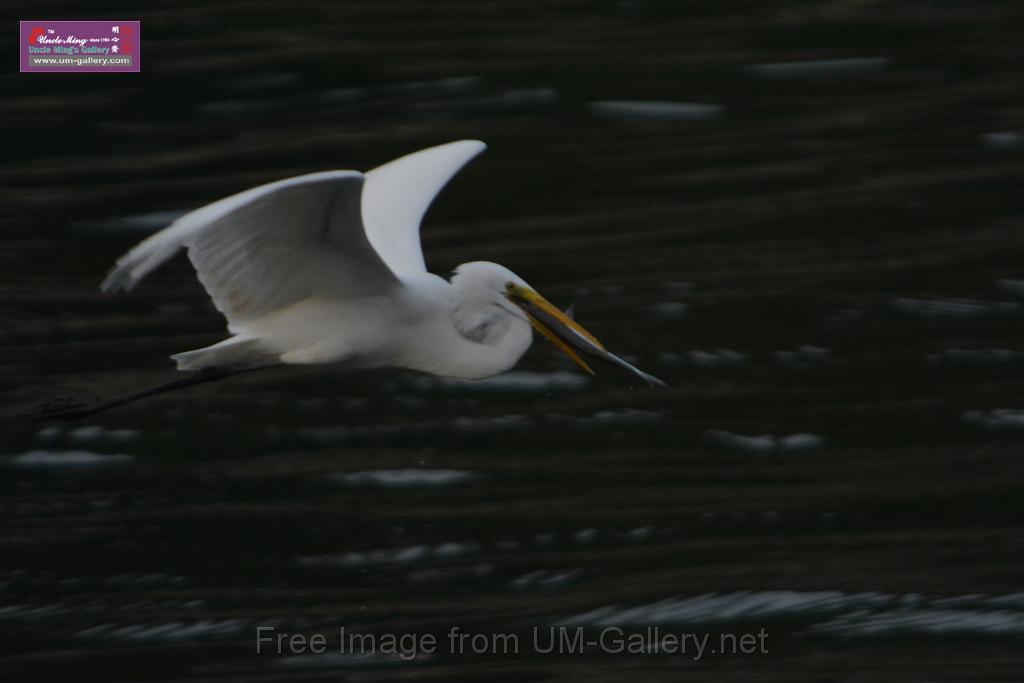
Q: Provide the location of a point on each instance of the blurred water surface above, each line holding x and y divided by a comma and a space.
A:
806, 217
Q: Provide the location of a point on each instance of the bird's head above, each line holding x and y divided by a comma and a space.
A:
556, 326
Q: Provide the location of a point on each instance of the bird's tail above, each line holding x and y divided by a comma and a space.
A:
233, 352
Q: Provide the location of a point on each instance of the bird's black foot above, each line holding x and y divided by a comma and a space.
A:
63, 408
74, 407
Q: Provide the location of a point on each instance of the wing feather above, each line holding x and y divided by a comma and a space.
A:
268, 247
398, 194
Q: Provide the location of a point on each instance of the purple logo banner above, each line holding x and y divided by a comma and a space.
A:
76, 46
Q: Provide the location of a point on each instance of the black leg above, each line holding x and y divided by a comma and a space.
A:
73, 410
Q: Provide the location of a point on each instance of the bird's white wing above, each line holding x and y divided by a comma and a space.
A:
270, 246
397, 194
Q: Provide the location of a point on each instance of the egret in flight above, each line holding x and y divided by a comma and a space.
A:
327, 268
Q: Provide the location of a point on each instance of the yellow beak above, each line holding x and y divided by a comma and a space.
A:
549, 321
565, 333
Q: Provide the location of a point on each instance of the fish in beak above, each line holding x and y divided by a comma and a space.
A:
565, 333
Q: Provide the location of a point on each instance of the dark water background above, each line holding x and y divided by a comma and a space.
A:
832, 251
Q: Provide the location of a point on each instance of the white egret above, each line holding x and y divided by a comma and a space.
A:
327, 268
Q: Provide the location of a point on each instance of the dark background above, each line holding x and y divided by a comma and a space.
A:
870, 210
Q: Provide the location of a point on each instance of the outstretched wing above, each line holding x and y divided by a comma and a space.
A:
397, 194
268, 247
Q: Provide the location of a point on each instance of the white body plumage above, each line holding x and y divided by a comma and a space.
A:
327, 268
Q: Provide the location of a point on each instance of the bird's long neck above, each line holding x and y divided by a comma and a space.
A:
494, 341
472, 336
